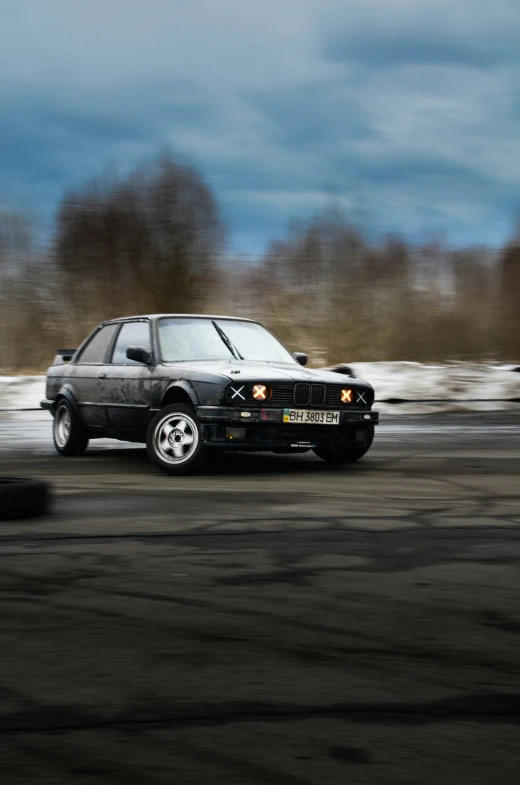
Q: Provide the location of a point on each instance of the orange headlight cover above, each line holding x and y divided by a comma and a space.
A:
260, 392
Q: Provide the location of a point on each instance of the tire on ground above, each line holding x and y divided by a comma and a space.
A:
174, 440
346, 454
22, 498
69, 433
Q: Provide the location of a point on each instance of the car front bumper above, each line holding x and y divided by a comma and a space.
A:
264, 429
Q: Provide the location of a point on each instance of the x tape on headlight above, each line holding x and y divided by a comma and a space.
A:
237, 392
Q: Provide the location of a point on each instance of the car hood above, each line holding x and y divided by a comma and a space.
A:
250, 371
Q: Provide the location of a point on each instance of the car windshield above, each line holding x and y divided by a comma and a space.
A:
184, 338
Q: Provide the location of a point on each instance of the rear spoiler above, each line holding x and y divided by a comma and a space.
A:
64, 356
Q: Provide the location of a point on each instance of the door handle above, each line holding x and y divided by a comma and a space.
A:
101, 375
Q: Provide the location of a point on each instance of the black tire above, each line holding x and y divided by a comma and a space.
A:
69, 433
345, 454
22, 498
174, 440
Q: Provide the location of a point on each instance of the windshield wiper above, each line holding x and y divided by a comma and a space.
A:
233, 349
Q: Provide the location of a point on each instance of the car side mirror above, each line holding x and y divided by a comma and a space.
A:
139, 354
301, 357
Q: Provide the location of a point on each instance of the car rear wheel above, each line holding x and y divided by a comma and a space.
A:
70, 436
346, 453
174, 440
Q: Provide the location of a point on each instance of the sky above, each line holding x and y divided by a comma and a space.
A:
406, 113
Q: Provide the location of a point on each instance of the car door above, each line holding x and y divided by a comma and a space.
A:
86, 376
128, 382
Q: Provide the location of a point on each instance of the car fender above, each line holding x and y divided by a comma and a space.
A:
66, 392
183, 385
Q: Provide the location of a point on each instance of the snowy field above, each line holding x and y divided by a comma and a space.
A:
458, 387
21, 392
468, 386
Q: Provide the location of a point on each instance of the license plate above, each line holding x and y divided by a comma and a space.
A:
306, 416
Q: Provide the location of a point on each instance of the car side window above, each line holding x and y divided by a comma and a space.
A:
131, 334
95, 351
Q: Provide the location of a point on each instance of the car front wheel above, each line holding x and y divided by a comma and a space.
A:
174, 440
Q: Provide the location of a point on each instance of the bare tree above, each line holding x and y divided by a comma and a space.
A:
346, 296
152, 240
144, 242
22, 302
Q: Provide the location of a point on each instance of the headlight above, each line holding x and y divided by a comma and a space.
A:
261, 392
238, 393
346, 395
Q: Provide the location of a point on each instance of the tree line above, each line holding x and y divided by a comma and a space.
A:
154, 241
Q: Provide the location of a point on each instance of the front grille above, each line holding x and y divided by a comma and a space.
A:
309, 394
329, 396
304, 395
317, 394
301, 394
282, 395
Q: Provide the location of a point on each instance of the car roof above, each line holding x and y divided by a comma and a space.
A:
156, 316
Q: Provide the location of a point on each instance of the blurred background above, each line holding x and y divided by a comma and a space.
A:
154, 241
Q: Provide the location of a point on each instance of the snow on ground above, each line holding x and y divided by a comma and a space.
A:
471, 387
21, 392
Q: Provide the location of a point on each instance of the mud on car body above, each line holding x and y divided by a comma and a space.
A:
187, 385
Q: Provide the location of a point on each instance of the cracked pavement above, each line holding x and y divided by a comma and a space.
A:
275, 620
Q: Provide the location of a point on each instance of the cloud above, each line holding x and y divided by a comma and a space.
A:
474, 33
409, 108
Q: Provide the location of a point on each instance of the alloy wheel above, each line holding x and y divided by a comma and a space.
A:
62, 426
176, 438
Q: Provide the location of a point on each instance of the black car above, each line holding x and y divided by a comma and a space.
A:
188, 385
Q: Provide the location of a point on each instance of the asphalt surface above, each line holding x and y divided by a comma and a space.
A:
274, 621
